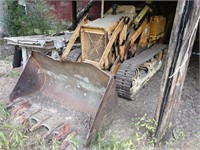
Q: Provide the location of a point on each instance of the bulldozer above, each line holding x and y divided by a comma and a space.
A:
77, 95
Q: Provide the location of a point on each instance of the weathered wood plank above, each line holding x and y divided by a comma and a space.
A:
73, 38
180, 47
110, 43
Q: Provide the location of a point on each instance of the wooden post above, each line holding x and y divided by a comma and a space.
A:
24, 56
102, 8
179, 51
82, 13
74, 14
199, 36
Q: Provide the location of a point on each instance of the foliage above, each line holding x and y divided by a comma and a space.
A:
3, 113
142, 139
112, 143
14, 74
35, 19
147, 125
11, 136
74, 141
55, 144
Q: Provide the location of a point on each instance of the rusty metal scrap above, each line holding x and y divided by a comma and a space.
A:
18, 110
66, 141
63, 131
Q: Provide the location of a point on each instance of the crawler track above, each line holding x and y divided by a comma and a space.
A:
128, 69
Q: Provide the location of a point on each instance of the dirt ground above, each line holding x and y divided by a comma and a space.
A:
188, 118
144, 102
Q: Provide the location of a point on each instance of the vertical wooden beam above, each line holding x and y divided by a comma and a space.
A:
74, 14
83, 12
179, 51
24, 56
199, 36
102, 8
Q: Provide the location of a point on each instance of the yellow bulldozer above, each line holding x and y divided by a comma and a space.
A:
77, 95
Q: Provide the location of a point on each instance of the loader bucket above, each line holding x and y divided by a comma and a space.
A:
80, 89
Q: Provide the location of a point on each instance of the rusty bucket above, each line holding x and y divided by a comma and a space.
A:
79, 93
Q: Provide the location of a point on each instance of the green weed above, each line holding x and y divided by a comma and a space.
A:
74, 141
112, 143
3, 113
55, 144
13, 74
4, 143
145, 129
142, 139
11, 136
179, 134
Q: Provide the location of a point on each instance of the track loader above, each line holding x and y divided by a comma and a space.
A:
77, 95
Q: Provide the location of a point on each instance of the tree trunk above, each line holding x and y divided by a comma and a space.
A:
180, 48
